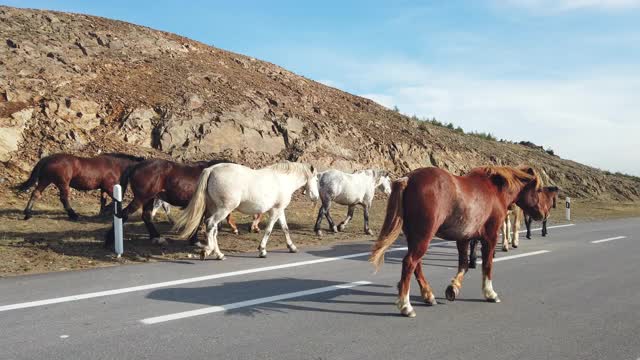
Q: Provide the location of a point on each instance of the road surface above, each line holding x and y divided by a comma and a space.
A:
567, 296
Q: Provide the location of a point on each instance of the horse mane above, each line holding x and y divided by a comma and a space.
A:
513, 177
124, 156
288, 167
376, 173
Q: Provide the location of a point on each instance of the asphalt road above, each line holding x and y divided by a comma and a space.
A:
563, 297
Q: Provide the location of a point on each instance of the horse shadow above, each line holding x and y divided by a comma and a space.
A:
234, 292
58, 215
433, 257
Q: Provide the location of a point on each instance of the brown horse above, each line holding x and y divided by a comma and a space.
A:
169, 181
431, 201
67, 171
548, 200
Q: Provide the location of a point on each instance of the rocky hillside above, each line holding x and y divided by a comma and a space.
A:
85, 84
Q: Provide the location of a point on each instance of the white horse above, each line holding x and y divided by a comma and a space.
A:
351, 190
225, 187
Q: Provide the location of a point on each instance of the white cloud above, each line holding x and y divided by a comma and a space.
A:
567, 5
591, 118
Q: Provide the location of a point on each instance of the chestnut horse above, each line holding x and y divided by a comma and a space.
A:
67, 171
548, 200
432, 202
172, 182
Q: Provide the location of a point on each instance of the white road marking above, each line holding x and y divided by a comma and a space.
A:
608, 239
548, 227
64, 336
247, 303
92, 295
63, 299
510, 257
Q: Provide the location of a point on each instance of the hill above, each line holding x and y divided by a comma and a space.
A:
85, 84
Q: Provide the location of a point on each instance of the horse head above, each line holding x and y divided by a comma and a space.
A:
383, 182
529, 198
312, 184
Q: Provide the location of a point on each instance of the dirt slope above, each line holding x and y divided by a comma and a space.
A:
85, 84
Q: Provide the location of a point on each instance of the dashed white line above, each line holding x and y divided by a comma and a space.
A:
241, 304
608, 239
510, 257
549, 227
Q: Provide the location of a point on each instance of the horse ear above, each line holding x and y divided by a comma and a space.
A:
499, 180
553, 188
529, 170
313, 170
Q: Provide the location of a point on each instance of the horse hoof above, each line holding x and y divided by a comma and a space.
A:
236, 232
74, 217
262, 253
334, 229
410, 313
505, 249
28, 216
529, 237
515, 246
368, 232
293, 249
203, 255
431, 300
451, 293
341, 227
159, 241
472, 264
494, 300
255, 230
220, 257
319, 233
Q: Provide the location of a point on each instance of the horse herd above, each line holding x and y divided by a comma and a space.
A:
425, 203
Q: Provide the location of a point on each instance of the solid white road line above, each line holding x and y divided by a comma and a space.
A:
503, 258
241, 304
548, 227
92, 295
608, 239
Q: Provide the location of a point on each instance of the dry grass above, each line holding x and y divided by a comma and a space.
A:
50, 242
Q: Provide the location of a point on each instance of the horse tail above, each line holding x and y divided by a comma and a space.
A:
392, 223
35, 173
189, 219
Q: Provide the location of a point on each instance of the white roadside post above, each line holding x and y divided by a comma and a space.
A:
117, 220
568, 208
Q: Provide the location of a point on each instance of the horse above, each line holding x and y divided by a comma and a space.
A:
351, 190
549, 199
432, 202
67, 171
223, 188
166, 207
171, 182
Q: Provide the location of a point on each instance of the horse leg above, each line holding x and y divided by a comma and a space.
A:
346, 220
473, 244
527, 223
544, 227
317, 228
487, 267
516, 229
418, 246
35, 195
274, 215
154, 235
425, 287
327, 214
232, 224
285, 228
255, 224
506, 233
453, 290
64, 199
103, 202
212, 235
366, 220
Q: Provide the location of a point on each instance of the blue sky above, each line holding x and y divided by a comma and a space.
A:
564, 74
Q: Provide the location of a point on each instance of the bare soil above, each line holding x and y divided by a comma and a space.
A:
50, 242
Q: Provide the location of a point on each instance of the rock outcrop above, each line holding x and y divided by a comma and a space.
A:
86, 84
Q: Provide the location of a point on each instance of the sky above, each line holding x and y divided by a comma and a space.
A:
564, 74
